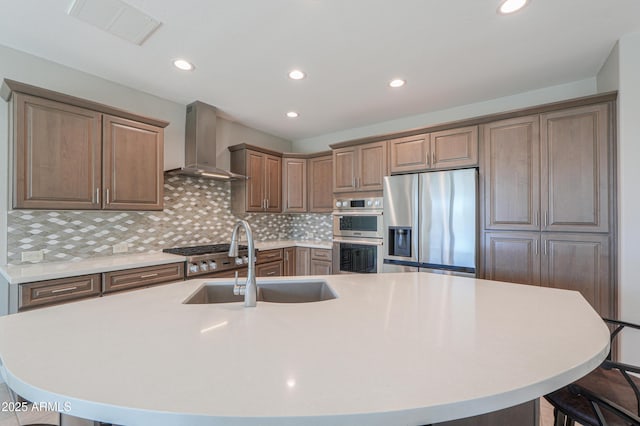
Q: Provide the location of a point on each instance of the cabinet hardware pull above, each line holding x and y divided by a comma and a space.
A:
535, 218
97, 195
426, 159
433, 158
271, 273
353, 182
545, 247
107, 197
60, 290
546, 218
535, 247
148, 275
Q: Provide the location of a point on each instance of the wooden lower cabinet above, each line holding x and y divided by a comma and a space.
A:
320, 262
571, 261
51, 292
289, 266
271, 269
579, 262
142, 277
303, 260
512, 257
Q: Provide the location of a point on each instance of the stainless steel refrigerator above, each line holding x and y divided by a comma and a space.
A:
430, 222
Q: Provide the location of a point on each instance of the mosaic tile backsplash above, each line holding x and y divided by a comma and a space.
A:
196, 211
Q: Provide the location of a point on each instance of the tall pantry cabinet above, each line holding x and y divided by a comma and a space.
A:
546, 183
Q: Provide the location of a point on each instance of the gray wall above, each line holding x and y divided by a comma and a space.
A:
521, 100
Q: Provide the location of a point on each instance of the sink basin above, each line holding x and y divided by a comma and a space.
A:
303, 291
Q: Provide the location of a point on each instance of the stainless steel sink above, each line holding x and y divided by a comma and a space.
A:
301, 291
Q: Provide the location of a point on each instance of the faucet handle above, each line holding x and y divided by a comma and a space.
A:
238, 289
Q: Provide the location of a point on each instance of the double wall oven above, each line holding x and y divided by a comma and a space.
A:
357, 235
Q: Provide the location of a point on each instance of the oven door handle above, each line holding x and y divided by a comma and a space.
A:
358, 213
366, 242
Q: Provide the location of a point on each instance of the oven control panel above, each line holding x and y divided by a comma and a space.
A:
356, 204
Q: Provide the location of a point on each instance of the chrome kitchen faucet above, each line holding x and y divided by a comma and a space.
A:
249, 289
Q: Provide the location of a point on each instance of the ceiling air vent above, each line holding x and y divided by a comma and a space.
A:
117, 18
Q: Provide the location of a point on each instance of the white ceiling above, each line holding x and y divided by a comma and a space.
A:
450, 52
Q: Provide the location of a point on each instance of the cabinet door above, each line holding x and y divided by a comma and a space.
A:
289, 261
454, 148
273, 183
575, 169
512, 257
142, 277
345, 168
58, 157
255, 183
272, 269
132, 165
51, 292
320, 267
320, 185
303, 259
294, 182
579, 262
511, 174
372, 166
410, 154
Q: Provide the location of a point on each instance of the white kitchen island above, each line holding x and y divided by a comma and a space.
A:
392, 349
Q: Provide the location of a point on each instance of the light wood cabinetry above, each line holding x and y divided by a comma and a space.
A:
50, 292
142, 277
289, 264
512, 257
303, 260
71, 154
574, 169
547, 180
360, 168
270, 263
453, 148
548, 172
320, 184
294, 182
262, 190
132, 165
320, 262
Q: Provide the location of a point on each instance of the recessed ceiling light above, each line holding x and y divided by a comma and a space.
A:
292, 114
397, 83
297, 75
510, 6
183, 64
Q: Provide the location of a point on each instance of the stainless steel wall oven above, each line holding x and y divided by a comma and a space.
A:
357, 236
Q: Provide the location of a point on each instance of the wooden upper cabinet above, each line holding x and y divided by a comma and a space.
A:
262, 190
579, 262
409, 154
273, 183
345, 168
360, 167
454, 148
294, 183
71, 153
133, 165
58, 155
512, 174
319, 184
575, 169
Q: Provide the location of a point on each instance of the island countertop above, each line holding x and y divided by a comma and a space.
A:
392, 349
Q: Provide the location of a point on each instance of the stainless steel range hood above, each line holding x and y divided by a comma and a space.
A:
200, 144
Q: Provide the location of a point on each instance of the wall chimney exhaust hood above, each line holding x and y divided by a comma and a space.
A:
200, 144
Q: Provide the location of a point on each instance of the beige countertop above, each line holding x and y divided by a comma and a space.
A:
19, 274
391, 349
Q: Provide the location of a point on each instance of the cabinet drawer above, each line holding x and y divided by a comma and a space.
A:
269, 256
272, 269
321, 254
55, 291
139, 277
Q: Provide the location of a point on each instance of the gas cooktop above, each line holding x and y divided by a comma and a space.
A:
198, 250
209, 259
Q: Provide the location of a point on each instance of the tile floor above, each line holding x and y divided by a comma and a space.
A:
22, 418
